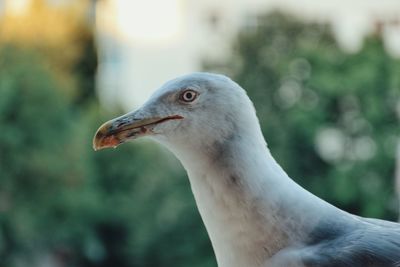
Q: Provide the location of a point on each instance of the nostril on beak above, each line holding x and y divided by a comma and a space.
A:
121, 123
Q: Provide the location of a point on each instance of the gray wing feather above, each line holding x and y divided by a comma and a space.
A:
371, 244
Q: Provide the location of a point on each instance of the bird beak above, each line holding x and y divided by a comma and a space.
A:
129, 126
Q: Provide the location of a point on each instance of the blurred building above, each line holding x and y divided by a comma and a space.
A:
144, 43
60, 32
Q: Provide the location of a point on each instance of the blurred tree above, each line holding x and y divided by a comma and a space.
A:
41, 162
60, 34
328, 116
63, 204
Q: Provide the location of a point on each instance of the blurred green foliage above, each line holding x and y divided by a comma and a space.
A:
65, 205
61, 204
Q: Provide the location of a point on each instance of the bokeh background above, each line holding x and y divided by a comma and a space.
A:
324, 77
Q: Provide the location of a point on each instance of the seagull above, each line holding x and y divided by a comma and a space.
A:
254, 213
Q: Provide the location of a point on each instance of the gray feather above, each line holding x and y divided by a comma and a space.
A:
368, 243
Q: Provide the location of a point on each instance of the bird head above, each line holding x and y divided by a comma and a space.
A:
197, 110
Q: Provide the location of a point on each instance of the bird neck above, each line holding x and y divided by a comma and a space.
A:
249, 205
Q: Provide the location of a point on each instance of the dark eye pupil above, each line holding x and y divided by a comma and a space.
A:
189, 95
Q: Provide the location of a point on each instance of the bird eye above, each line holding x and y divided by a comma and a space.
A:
188, 96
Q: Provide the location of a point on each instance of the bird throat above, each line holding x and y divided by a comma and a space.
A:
246, 202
